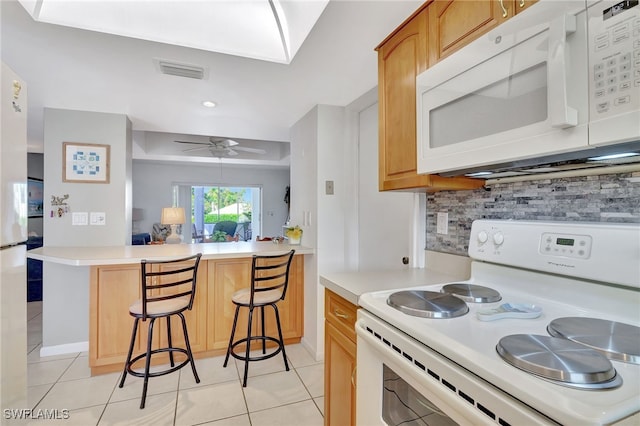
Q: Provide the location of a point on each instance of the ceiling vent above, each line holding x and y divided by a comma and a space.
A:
180, 70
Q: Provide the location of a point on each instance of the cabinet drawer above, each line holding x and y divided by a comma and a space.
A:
340, 313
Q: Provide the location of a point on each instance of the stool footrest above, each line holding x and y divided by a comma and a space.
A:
131, 371
256, 358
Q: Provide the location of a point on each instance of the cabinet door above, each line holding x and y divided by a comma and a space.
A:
196, 318
339, 378
290, 309
228, 276
112, 290
400, 59
225, 278
455, 23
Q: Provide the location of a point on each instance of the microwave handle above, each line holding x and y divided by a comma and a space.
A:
560, 113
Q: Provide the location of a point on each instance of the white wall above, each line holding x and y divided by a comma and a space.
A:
385, 219
65, 308
111, 198
152, 183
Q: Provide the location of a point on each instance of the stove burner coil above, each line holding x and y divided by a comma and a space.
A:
427, 304
615, 340
560, 361
472, 293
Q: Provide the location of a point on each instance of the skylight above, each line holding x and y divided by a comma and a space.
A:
269, 30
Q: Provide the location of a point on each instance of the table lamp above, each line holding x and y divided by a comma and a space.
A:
173, 216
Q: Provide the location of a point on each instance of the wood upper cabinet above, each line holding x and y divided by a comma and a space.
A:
401, 57
455, 23
339, 361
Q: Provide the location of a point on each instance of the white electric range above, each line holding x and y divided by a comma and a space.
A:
424, 358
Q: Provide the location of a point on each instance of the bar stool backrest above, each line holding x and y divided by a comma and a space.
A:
168, 279
270, 272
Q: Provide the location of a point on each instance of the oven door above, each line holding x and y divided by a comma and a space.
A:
401, 381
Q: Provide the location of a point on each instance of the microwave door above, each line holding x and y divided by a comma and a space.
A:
482, 115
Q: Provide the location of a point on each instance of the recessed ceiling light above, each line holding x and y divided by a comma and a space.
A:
208, 104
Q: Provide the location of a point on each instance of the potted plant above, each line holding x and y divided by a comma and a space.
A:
293, 234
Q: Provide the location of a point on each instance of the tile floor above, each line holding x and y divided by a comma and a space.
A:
273, 396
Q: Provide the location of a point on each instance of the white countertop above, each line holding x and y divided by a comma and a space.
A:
118, 255
351, 285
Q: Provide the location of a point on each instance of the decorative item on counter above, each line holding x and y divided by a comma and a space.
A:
58, 206
293, 234
173, 216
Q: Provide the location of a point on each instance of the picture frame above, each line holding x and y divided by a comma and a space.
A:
85, 162
35, 196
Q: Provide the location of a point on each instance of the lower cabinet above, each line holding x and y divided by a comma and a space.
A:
339, 361
114, 287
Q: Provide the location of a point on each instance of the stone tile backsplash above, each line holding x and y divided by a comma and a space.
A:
603, 198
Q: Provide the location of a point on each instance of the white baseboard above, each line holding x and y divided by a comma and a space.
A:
317, 355
68, 348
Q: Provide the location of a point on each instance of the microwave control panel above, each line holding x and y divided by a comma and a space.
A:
614, 57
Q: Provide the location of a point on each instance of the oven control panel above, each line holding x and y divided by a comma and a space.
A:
566, 245
606, 252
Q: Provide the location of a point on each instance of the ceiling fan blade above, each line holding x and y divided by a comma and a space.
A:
231, 152
194, 143
252, 150
199, 148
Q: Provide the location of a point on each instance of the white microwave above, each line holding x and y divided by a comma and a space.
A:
556, 81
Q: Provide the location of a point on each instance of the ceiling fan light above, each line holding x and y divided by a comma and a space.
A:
209, 104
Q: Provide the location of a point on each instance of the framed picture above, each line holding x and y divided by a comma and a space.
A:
85, 163
35, 192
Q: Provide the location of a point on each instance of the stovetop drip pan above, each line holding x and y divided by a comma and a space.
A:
560, 361
427, 304
615, 340
472, 293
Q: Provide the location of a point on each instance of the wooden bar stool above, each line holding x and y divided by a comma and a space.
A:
168, 288
269, 281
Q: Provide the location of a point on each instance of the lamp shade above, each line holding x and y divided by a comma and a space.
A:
172, 216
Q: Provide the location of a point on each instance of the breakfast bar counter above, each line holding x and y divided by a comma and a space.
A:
110, 278
119, 255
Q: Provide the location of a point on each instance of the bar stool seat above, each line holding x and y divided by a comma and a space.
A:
269, 281
168, 289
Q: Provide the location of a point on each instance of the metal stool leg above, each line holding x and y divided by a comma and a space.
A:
264, 341
233, 332
188, 345
281, 343
246, 358
147, 364
133, 340
169, 341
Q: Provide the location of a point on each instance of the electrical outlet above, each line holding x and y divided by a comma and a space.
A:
442, 223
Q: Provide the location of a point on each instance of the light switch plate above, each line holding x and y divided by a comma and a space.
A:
328, 187
79, 218
442, 223
98, 218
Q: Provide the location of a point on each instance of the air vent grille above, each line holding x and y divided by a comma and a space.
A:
180, 70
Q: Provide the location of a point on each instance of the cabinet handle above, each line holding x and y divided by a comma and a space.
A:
353, 376
521, 3
504, 10
340, 314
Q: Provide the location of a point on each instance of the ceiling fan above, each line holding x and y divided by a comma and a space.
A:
221, 146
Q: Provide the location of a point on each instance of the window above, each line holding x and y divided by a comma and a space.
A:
211, 205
